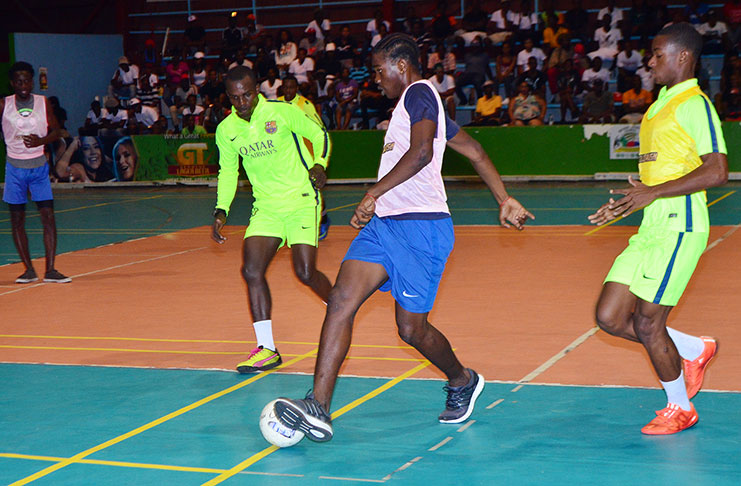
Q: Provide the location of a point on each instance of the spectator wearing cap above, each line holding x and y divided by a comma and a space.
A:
194, 35
314, 45
115, 120
320, 25
269, 87
445, 86
198, 72
94, 119
123, 82
488, 107
144, 116
477, 70
329, 63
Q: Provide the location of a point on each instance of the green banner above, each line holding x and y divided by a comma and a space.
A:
175, 156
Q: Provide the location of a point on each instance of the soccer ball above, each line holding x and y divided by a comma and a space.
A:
275, 432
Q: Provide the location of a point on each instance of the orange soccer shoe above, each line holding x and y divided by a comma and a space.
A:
671, 420
694, 371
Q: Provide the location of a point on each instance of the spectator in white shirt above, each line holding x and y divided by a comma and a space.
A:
615, 13
286, 51
115, 119
595, 72
445, 86
372, 28
123, 82
94, 119
302, 68
628, 62
607, 38
145, 116
499, 25
646, 75
529, 51
714, 34
320, 24
269, 87
194, 109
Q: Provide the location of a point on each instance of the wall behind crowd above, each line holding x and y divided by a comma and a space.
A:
78, 67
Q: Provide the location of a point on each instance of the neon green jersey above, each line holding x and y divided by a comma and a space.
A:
270, 147
305, 105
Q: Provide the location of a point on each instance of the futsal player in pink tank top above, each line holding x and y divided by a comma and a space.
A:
29, 123
404, 243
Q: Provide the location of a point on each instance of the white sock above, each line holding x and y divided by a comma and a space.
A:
264, 333
676, 392
689, 347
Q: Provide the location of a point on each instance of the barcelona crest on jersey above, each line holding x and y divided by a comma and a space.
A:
271, 127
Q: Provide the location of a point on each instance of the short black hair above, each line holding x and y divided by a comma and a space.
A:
238, 73
290, 77
19, 67
684, 36
398, 46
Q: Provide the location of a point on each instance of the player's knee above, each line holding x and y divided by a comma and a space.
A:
250, 274
409, 332
304, 273
607, 320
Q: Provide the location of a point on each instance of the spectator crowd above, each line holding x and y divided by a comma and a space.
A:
507, 65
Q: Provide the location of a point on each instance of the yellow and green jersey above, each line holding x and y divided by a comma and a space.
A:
270, 145
305, 105
678, 128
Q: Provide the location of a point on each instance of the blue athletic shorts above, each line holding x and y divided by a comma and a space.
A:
413, 252
18, 182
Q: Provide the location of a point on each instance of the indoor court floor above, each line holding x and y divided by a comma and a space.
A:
125, 375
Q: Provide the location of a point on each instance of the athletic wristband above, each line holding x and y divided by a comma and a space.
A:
505, 200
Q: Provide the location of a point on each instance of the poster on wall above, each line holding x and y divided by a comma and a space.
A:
624, 142
43, 79
132, 158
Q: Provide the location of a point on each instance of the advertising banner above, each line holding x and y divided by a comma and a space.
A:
624, 142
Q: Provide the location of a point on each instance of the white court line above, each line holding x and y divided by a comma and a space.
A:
106, 269
354, 479
467, 425
440, 444
719, 240
403, 466
494, 404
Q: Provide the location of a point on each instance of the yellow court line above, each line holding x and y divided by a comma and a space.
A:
138, 465
622, 217
720, 198
118, 338
269, 450
161, 420
343, 207
91, 206
175, 351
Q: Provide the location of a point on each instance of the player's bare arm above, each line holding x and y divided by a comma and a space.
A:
510, 209
713, 172
416, 158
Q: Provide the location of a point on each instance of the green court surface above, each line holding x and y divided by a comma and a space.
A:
534, 434
91, 217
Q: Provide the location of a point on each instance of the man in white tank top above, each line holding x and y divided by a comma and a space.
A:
406, 237
29, 123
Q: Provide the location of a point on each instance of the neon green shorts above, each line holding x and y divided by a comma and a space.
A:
658, 263
293, 226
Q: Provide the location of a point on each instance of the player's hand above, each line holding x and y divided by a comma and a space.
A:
634, 198
31, 141
364, 212
515, 213
216, 230
317, 176
604, 214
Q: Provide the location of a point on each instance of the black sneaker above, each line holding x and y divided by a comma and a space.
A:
461, 399
53, 276
306, 415
27, 277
